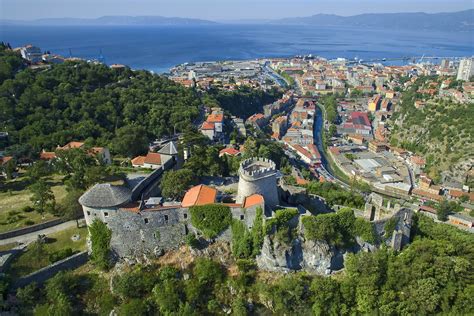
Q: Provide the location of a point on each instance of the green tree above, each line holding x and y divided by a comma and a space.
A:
42, 197
10, 168
131, 141
100, 236
38, 170
70, 207
175, 183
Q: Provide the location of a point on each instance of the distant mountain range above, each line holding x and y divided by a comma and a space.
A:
451, 21
112, 21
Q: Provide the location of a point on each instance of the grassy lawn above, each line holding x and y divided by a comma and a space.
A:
37, 255
15, 195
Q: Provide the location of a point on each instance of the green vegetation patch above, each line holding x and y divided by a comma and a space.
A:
335, 195
338, 229
57, 247
211, 219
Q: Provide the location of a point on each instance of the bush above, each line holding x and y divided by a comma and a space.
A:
211, 219
135, 284
339, 228
242, 244
192, 241
100, 236
29, 222
281, 218
60, 255
27, 209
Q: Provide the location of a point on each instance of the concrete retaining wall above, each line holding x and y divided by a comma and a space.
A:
48, 272
30, 229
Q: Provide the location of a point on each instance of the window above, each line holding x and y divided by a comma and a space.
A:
166, 218
106, 214
88, 213
242, 217
146, 220
185, 215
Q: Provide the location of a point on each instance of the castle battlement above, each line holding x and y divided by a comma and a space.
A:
258, 176
256, 168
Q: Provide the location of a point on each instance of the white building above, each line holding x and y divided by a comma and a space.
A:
31, 53
466, 69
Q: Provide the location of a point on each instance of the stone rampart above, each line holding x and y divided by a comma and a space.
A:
42, 275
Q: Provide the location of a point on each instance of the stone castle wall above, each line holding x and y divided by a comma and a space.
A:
153, 232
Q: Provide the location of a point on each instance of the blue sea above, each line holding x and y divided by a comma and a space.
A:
159, 48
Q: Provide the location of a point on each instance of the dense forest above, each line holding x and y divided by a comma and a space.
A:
85, 101
81, 101
245, 101
433, 275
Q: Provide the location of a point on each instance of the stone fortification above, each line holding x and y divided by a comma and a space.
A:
258, 176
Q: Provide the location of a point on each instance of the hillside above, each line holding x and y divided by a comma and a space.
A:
81, 101
442, 131
460, 21
113, 20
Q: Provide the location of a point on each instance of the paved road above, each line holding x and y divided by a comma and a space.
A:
27, 238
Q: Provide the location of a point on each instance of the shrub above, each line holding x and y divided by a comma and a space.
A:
100, 236
281, 218
29, 222
135, 284
365, 230
211, 219
338, 228
60, 255
192, 241
390, 226
28, 209
241, 240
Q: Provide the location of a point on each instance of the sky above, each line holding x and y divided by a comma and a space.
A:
218, 9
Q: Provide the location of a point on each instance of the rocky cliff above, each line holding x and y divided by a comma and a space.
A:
300, 254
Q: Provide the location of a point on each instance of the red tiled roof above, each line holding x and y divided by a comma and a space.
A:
138, 161
418, 160
215, 118
428, 209
71, 145
255, 199
229, 151
47, 155
199, 195
5, 159
153, 159
207, 126
428, 195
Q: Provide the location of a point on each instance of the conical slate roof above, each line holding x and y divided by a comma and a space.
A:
105, 195
169, 149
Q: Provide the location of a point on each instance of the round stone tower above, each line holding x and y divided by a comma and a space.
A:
258, 176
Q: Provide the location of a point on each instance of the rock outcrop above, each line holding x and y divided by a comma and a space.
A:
300, 254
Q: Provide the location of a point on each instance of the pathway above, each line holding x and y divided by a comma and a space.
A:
27, 238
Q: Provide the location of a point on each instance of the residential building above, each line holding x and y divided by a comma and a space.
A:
466, 69
31, 53
150, 161
279, 126
376, 146
374, 103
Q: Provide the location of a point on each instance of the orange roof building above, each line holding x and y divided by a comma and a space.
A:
229, 152
199, 195
72, 145
47, 155
215, 118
